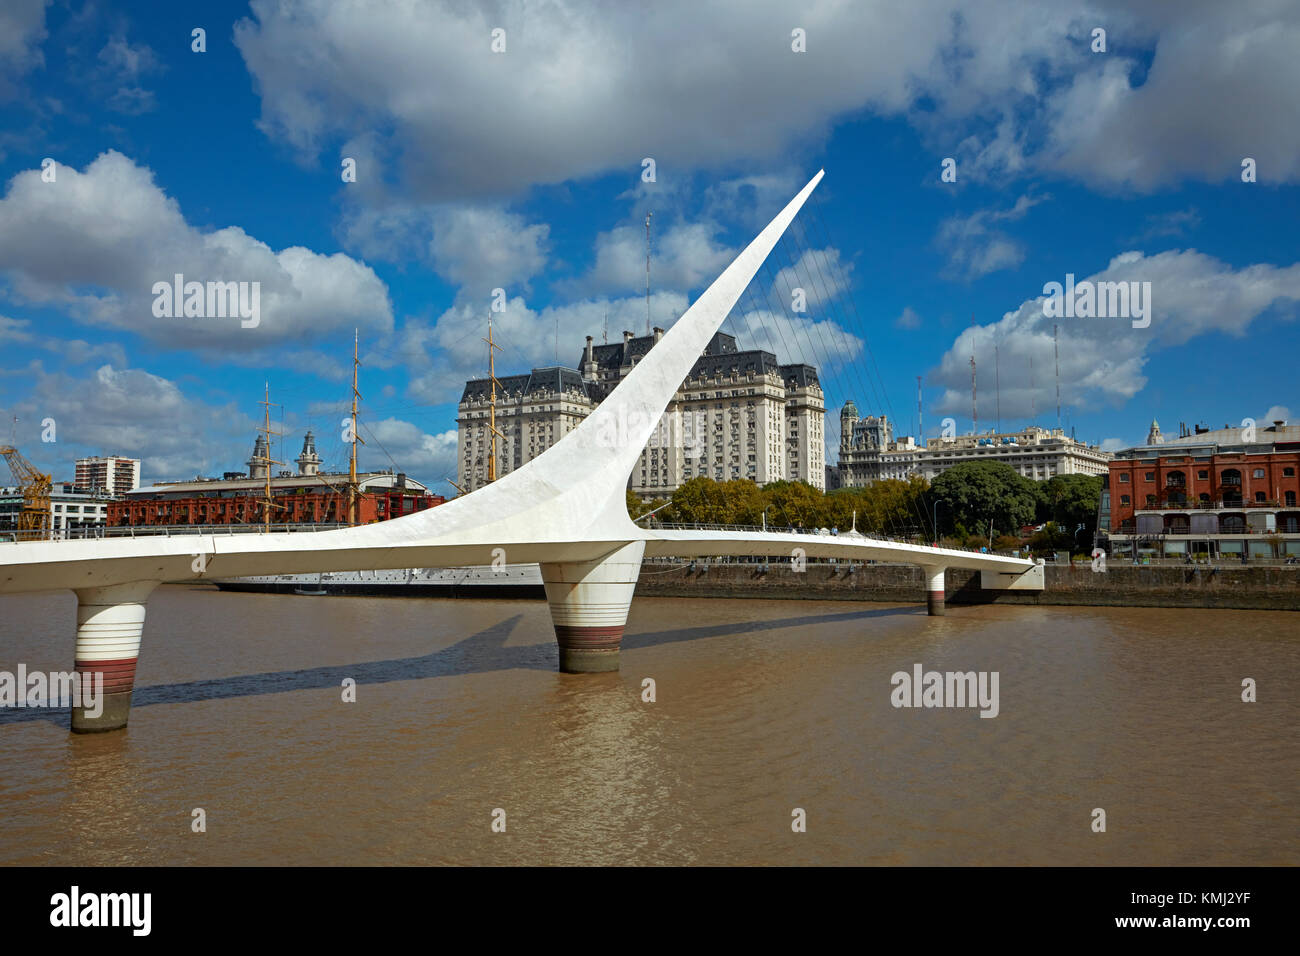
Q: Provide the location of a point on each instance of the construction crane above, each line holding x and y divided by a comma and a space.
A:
34, 519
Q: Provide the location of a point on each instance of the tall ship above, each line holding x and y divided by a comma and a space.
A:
483, 581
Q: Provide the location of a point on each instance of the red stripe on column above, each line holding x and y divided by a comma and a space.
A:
588, 638
119, 675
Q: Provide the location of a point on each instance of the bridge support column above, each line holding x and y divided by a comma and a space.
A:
110, 621
589, 603
934, 592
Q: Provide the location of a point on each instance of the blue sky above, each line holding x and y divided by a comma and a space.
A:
522, 170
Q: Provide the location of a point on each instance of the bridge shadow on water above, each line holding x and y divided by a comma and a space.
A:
479, 653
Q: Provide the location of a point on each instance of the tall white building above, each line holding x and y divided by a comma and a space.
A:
112, 474
738, 415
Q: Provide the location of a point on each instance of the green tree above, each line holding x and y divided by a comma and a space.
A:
635, 507
744, 502
701, 500
794, 503
1070, 501
974, 492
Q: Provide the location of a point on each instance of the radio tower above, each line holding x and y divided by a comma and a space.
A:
1032, 412
974, 414
919, 426
1056, 348
997, 385
647, 272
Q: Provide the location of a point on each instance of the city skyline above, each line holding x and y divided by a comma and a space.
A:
367, 215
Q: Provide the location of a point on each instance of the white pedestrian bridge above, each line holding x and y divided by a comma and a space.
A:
565, 510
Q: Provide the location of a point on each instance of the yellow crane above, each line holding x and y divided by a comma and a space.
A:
34, 519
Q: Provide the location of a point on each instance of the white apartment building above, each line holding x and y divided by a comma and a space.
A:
111, 474
869, 452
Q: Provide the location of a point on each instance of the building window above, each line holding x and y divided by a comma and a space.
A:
1123, 499
1259, 496
1123, 477
1290, 499
1151, 476
1258, 473
1203, 474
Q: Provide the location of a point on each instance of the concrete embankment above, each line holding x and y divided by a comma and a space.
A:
1254, 588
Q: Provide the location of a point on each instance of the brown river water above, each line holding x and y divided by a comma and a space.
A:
761, 707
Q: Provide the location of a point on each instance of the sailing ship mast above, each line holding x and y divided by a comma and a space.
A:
353, 500
267, 502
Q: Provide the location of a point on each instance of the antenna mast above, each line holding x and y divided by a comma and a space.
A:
647, 272
353, 517
1032, 413
919, 427
974, 413
493, 348
997, 385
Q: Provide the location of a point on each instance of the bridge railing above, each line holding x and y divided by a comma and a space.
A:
815, 532
91, 532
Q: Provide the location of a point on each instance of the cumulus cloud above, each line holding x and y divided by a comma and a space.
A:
133, 412
478, 247
819, 272
71, 351
686, 256
975, 247
1006, 86
909, 319
448, 351
95, 242
1102, 359
22, 30
431, 456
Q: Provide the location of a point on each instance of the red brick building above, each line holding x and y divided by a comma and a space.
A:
1225, 494
308, 497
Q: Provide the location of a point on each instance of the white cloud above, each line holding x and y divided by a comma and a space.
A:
684, 257
72, 351
132, 412
909, 319
95, 242
1101, 360
431, 457
975, 248
1006, 86
819, 272
22, 30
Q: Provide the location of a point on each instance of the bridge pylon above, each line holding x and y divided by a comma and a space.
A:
589, 601
110, 621
934, 589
